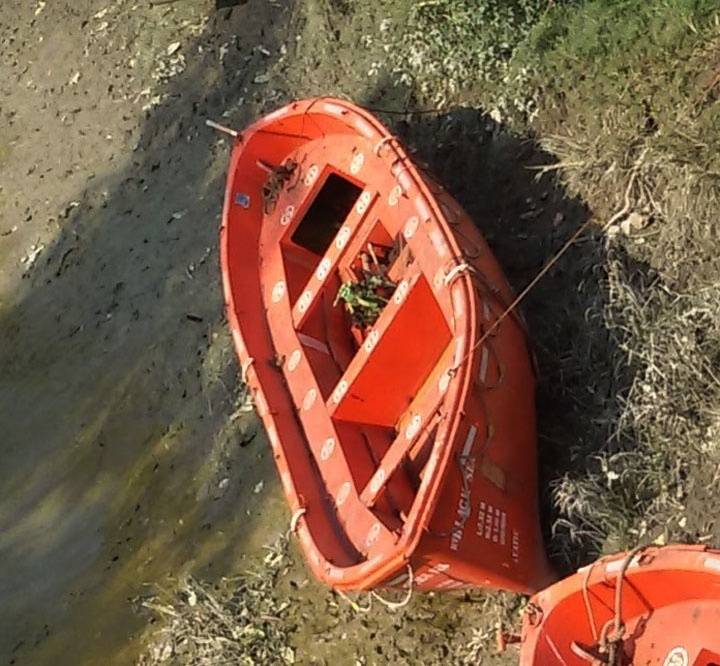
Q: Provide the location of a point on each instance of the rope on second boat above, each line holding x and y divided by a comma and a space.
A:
608, 648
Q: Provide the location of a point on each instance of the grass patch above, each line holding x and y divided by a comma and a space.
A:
632, 88
238, 622
636, 487
451, 45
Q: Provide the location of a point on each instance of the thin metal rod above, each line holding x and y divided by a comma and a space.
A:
221, 128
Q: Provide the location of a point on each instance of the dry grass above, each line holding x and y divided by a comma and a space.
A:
635, 487
239, 622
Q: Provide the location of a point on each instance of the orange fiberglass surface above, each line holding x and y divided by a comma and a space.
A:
358, 293
657, 606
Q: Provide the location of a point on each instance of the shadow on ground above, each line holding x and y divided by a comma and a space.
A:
502, 180
121, 445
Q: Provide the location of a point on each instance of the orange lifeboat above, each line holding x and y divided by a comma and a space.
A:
652, 606
364, 307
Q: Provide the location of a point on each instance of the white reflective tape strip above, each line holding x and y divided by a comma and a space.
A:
436, 238
444, 382
458, 300
484, 364
422, 208
278, 291
333, 108
287, 215
410, 227
327, 448
371, 563
260, 403
712, 563
395, 195
372, 535
364, 128
401, 291
413, 427
239, 344
276, 114
404, 180
615, 566
371, 340
469, 441
459, 344
339, 392
363, 202
335, 573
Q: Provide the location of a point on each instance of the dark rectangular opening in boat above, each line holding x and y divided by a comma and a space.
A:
326, 214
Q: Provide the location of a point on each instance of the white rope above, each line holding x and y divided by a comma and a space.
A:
397, 605
460, 268
246, 367
381, 143
353, 604
392, 605
295, 518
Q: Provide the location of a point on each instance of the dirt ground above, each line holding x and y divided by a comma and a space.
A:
127, 454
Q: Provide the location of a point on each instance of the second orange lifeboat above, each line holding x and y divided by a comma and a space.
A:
650, 607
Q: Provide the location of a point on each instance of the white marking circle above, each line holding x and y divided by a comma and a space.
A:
323, 269
371, 340
372, 535
363, 202
311, 175
309, 399
413, 427
677, 657
343, 493
340, 391
342, 238
294, 360
356, 163
327, 448
287, 215
305, 300
411, 227
278, 291
401, 292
